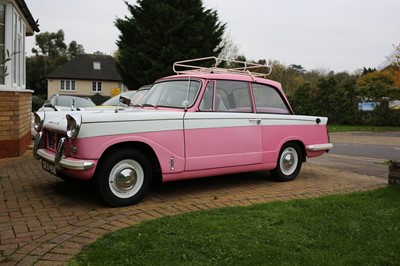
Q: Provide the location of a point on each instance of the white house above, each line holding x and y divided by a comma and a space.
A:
16, 22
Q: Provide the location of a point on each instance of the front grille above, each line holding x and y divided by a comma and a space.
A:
52, 140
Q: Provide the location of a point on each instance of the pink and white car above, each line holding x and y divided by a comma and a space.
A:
200, 122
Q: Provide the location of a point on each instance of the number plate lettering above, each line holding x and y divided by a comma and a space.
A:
49, 167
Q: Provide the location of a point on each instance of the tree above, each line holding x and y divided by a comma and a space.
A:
298, 68
50, 44
379, 86
366, 71
345, 109
74, 49
313, 76
376, 86
230, 49
394, 58
397, 54
35, 78
159, 33
325, 99
302, 100
291, 77
50, 52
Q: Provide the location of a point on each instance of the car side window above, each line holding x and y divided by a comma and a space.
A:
232, 96
173, 93
268, 100
206, 103
227, 96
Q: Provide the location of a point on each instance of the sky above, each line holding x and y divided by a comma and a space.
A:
339, 35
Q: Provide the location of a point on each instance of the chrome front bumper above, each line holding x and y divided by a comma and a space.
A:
59, 160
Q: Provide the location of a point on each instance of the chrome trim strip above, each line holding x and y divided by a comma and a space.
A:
65, 162
320, 147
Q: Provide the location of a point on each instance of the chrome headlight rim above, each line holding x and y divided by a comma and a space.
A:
39, 121
73, 125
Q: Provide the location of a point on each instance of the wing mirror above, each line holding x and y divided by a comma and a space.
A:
125, 100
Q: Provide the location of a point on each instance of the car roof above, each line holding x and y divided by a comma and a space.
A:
215, 68
64, 100
223, 76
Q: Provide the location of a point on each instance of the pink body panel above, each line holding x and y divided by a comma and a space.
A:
228, 146
274, 137
164, 143
229, 150
83, 175
217, 171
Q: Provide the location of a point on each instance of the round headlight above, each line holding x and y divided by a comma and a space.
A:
39, 120
73, 125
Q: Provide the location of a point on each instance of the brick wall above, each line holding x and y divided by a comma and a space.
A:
15, 122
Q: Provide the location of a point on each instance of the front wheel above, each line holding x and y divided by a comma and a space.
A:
123, 178
289, 163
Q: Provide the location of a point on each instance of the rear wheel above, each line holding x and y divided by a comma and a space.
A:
289, 162
123, 177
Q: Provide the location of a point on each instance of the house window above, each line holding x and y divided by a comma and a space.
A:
2, 37
18, 59
67, 85
122, 87
96, 65
96, 86
15, 65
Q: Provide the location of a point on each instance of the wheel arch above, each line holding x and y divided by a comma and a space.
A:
289, 162
301, 145
146, 149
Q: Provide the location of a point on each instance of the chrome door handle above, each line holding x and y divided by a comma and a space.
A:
257, 120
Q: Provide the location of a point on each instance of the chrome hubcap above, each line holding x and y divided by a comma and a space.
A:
126, 179
289, 161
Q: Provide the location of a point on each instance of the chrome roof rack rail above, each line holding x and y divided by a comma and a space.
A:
233, 66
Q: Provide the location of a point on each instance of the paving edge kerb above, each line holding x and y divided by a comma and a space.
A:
45, 221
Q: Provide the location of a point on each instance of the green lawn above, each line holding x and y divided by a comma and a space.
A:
344, 128
354, 229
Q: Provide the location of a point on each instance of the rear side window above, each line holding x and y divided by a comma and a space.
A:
268, 100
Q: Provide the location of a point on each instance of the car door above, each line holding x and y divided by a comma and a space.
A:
277, 124
225, 131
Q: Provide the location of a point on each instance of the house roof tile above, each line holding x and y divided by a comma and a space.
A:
82, 67
27, 14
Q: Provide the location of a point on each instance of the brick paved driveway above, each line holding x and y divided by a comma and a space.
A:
45, 221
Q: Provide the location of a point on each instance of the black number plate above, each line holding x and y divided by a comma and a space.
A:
49, 167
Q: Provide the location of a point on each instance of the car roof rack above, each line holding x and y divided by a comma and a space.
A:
233, 66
